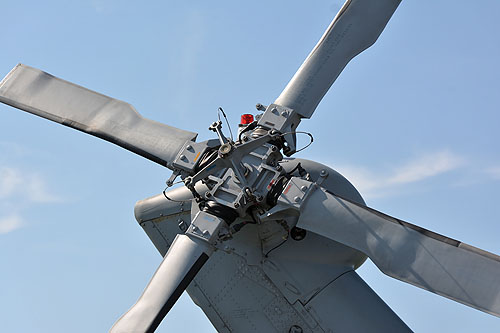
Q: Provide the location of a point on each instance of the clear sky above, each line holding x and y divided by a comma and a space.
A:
412, 122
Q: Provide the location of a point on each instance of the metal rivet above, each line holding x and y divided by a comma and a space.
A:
296, 199
303, 188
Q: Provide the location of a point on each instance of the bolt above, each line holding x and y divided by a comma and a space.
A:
225, 149
284, 114
279, 167
183, 157
274, 110
274, 148
236, 205
296, 199
303, 188
189, 147
323, 173
208, 194
260, 107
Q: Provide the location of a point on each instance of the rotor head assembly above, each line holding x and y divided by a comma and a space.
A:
229, 183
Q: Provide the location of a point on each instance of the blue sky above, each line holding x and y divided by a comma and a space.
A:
412, 122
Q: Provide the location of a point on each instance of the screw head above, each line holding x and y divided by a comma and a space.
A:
303, 188
236, 205
296, 199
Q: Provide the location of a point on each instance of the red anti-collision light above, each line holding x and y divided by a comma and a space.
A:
246, 118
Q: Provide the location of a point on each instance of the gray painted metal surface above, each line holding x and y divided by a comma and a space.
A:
251, 283
355, 28
284, 247
186, 256
407, 252
44, 95
348, 304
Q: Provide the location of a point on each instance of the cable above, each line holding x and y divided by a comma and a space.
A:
170, 199
274, 248
300, 132
249, 127
285, 238
227, 122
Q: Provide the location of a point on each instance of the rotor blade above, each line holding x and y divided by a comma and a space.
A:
180, 265
44, 95
407, 252
355, 28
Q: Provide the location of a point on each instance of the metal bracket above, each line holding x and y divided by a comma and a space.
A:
206, 227
217, 128
190, 154
285, 121
289, 202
